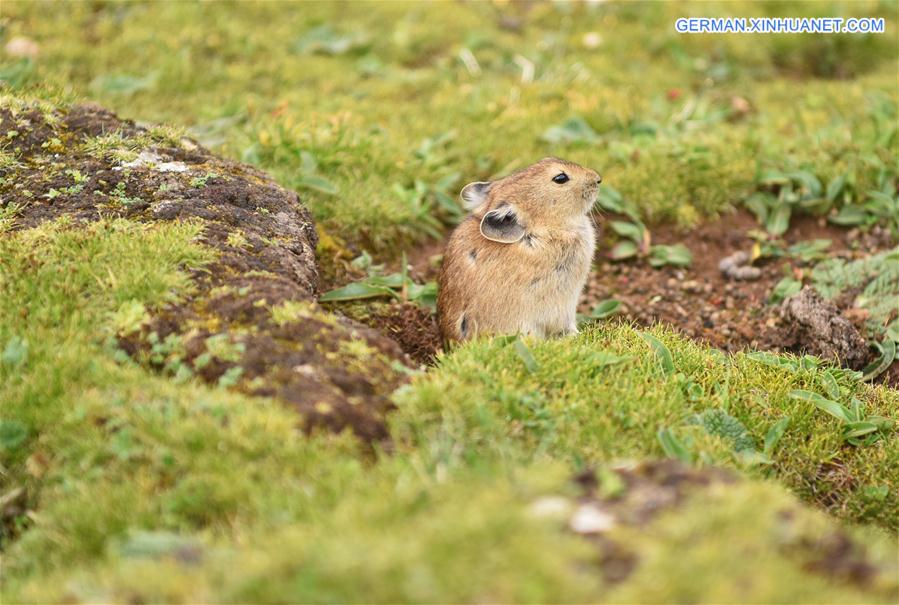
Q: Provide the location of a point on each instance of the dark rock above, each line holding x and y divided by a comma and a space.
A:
816, 326
337, 374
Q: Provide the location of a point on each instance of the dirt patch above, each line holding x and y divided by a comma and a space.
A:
728, 313
413, 327
729, 308
252, 324
633, 494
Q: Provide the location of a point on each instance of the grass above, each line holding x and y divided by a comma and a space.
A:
139, 488
604, 396
135, 495
334, 107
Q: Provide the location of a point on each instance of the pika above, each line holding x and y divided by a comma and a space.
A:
519, 261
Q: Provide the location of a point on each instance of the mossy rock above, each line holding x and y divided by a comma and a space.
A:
251, 322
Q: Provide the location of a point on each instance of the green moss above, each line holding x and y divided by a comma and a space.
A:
483, 401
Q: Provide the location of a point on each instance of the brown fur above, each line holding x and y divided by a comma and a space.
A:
532, 284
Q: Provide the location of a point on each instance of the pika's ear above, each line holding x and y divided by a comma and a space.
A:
474, 194
502, 225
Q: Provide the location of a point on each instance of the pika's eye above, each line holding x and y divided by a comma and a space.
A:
560, 178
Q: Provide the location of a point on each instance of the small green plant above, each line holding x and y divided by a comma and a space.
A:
784, 289
310, 177
573, 130
887, 354
398, 286
119, 195
674, 447
859, 429
878, 207
663, 355
637, 239
610, 199
717, 422
638, 243
783, 193
602, 310
676, 255
200, 182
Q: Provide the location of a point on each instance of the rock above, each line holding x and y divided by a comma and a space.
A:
815, 325
257, 299
22, 47
590, 519
591, 40
737, 267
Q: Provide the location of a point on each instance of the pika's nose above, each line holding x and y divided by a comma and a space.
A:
598, 179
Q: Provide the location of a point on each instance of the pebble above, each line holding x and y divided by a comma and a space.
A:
737, 267
592, 40
589, 519
23, 47
550, 506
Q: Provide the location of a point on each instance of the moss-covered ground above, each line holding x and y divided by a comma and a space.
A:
120, 484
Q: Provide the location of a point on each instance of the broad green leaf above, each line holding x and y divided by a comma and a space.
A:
662, 353
784, 289
673, 447
850, 216
355, 291
810, 184
318, 183
572, 130
858, 429
525, 354
610, 200
601, 359
15, 352
759, 204
892, 331
633, 231
774, 434
677, 255
324, 40
123, 84
605, 309
830, 385
876, 492
810, 250
835, 187
779, 220
887, 350
12, 434
769, 359
623, 250
394, 280
831, 407
773, 177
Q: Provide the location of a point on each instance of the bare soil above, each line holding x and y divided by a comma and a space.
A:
730, 314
